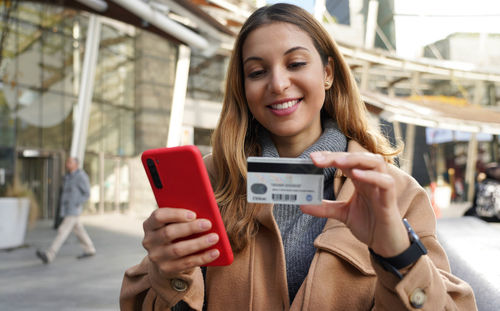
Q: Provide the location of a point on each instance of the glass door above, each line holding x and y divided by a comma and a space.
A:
42, 174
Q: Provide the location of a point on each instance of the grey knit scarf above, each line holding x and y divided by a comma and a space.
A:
299, 230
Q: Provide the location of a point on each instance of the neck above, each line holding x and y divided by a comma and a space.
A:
294, 146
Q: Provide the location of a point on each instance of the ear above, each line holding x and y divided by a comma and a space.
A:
329, 74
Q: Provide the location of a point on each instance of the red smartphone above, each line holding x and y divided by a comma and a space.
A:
179, 179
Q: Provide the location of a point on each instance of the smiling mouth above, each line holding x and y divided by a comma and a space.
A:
285, 105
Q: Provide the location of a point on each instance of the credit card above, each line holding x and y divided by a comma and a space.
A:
284, 181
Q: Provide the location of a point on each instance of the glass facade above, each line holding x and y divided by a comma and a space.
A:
42, 58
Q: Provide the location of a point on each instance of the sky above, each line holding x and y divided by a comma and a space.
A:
421, 22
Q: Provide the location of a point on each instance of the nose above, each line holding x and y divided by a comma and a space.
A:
280, 81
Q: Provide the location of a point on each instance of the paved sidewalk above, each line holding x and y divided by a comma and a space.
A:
68, 283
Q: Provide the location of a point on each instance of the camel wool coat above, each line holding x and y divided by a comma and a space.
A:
342, 275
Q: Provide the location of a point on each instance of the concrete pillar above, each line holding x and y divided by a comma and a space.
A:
155, 62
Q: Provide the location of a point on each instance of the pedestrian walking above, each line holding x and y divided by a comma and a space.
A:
370, 245
75, 192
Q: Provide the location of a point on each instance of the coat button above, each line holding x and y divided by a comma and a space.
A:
418, 298
179, 285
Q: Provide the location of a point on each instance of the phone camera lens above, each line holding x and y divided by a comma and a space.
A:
154, 173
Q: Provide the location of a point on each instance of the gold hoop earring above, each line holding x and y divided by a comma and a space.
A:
327, 83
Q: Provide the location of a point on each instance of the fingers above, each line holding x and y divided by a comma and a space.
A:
183, 264
363, 168
182, 255
165, 215
181, 249
374, 178
328, 209
184, 248
171, 232
344, 160
162, 231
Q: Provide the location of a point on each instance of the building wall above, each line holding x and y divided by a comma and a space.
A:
42, 60
482, 50
154, 81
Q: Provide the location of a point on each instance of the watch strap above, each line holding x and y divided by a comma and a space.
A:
406, 258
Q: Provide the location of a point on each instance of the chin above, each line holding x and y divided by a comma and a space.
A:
282, 132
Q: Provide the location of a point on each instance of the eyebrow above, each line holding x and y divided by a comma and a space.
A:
286, 52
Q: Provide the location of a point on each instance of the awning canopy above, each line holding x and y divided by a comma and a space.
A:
434, 114
201, 26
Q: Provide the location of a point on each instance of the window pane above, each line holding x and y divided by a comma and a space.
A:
7, 123
94, 130
57, 130
57, 63
126, 133
110, 129
26, 68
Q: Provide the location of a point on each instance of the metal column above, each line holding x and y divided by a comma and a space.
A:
82, 110
179, 96
470, 166
411, 130
371, 24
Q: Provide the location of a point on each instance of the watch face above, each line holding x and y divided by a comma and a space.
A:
413, 236
414, 239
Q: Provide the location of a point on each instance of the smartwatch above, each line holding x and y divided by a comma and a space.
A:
406, 258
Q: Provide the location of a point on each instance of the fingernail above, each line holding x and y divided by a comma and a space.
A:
205, 224
212, 238
190, 215
317, 156
214, 253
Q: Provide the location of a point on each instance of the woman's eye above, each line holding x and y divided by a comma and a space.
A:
256, 74
296, 65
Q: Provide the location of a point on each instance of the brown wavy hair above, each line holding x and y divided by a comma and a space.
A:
235, 137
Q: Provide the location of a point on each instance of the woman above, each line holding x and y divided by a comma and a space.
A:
289, 93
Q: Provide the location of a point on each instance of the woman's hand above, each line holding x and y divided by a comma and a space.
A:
161, 233
371, 213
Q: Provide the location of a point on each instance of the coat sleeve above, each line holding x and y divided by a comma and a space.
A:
144, 289
429, 282
83, 185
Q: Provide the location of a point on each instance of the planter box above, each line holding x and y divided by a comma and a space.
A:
13, 221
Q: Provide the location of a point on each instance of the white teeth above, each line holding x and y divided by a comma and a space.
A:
285, 105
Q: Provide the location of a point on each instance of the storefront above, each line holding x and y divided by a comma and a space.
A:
43, 54
449, 145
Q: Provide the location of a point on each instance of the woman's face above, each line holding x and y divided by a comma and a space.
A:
284, 80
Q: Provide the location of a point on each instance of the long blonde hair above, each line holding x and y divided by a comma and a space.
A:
235, 137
